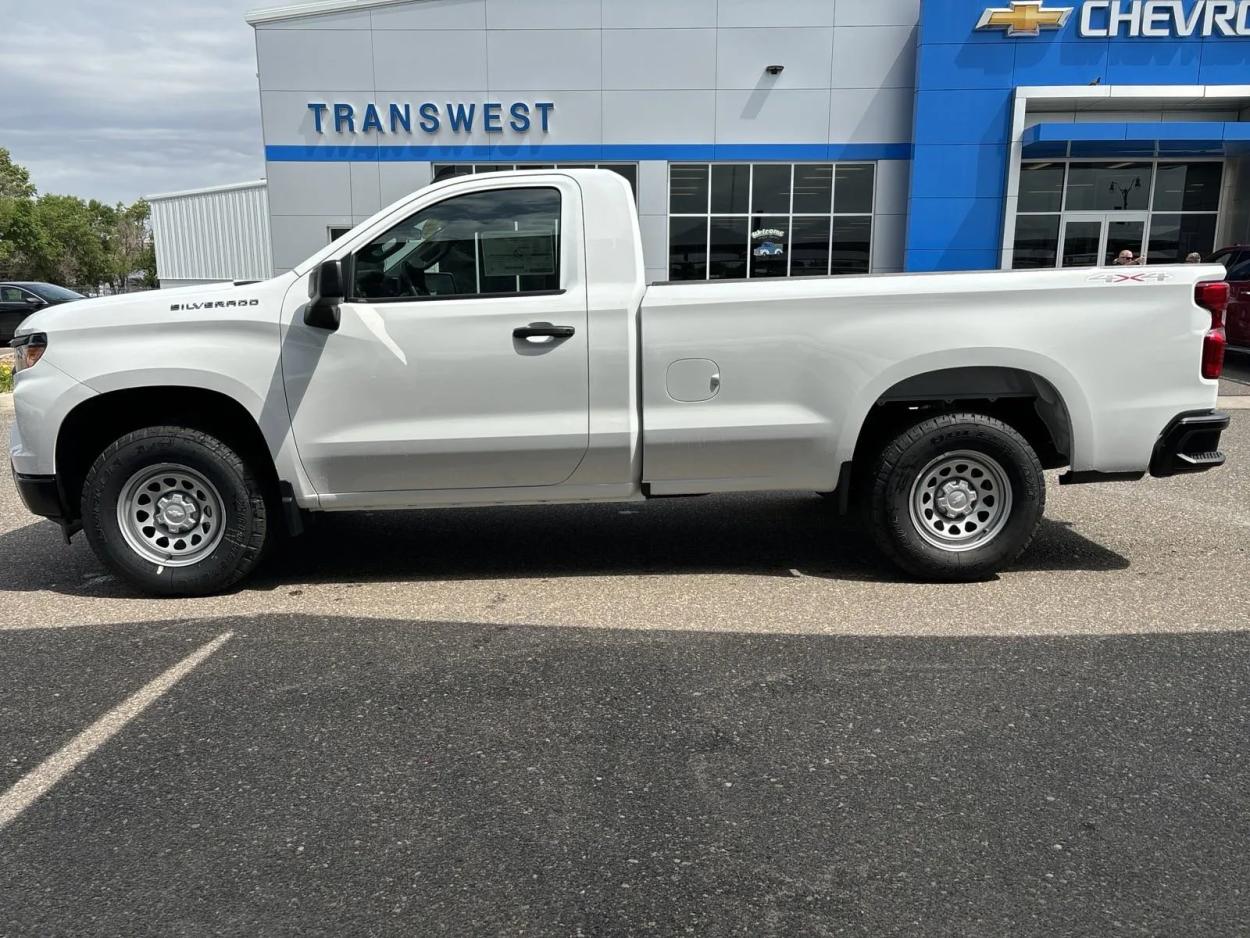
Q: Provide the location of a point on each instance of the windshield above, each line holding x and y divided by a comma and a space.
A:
52, 293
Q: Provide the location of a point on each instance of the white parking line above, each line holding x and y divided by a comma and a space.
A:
36, 783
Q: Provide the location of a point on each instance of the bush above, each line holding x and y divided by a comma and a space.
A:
6, 376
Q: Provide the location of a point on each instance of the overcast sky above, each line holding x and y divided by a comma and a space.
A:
113, 99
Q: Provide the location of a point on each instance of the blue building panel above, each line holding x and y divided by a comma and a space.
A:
960, 170
1153, 62
955, 66
967, 224
960, 116
1225, 62
923, 261
1051, 62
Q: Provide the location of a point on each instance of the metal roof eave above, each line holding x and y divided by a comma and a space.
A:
315, 8
207, 190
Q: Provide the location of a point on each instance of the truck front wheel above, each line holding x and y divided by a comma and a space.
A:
956, 497
175, 511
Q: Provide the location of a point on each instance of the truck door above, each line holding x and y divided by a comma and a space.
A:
461, 358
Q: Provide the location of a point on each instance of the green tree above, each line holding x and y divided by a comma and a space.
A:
74, 253
21, 237
147, 264
104, 221
14, 179
65, 240
131, 247
19, 234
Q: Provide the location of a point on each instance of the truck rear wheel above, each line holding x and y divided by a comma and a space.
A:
175, 511
956, 497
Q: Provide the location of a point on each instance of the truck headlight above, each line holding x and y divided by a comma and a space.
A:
28, 349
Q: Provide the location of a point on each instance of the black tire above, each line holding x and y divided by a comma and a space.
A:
918, 454
243, 533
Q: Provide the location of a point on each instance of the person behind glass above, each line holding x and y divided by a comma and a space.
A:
1126, 259
1194, 258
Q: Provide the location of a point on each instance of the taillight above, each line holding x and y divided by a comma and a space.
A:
1213, 297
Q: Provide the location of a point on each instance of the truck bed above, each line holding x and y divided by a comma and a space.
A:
801, 362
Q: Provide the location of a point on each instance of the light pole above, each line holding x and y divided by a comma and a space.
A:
1125, 190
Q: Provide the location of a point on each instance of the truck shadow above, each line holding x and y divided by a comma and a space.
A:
432, 777
760, 535
780, 535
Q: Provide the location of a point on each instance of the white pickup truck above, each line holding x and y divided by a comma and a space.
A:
491, 340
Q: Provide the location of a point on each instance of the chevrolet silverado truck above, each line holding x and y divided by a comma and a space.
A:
491, 340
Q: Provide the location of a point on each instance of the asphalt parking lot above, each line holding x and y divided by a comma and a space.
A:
708, 716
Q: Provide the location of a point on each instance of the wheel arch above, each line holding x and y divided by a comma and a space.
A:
1031, 392
99, 420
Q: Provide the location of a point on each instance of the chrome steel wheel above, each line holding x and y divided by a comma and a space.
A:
960, 501
171, 515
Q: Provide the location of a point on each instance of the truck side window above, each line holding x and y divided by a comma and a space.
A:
505, 241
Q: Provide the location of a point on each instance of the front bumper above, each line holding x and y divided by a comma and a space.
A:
1190, 443
41, 495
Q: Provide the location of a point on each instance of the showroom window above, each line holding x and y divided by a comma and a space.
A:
730, 220
1086, 213
447, 170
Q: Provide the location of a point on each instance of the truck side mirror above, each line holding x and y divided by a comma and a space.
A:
325, 293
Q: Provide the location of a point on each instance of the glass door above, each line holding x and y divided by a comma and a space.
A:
1080, 241
1099, 239
1124, 236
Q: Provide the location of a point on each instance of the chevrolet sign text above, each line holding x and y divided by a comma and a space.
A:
1105, 19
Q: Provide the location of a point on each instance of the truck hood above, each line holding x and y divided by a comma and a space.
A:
205, 301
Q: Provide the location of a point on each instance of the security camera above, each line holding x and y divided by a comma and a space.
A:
774, 69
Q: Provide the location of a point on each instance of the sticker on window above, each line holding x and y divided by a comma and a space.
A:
517, 253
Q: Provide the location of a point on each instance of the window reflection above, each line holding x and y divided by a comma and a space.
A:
502, 241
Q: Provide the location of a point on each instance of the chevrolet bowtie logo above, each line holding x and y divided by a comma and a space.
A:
1024, 18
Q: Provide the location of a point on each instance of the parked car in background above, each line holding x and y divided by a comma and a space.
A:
1236, 261
19, 299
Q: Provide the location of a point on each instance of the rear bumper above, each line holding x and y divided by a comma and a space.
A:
1190, 443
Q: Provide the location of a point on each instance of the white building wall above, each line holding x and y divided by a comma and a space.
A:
619, 72
210, 235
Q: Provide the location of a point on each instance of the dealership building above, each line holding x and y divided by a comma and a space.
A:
781, 138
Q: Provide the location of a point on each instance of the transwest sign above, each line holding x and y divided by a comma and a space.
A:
1109, 19
403, 117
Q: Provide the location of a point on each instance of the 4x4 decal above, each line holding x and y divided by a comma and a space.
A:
1140, 276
